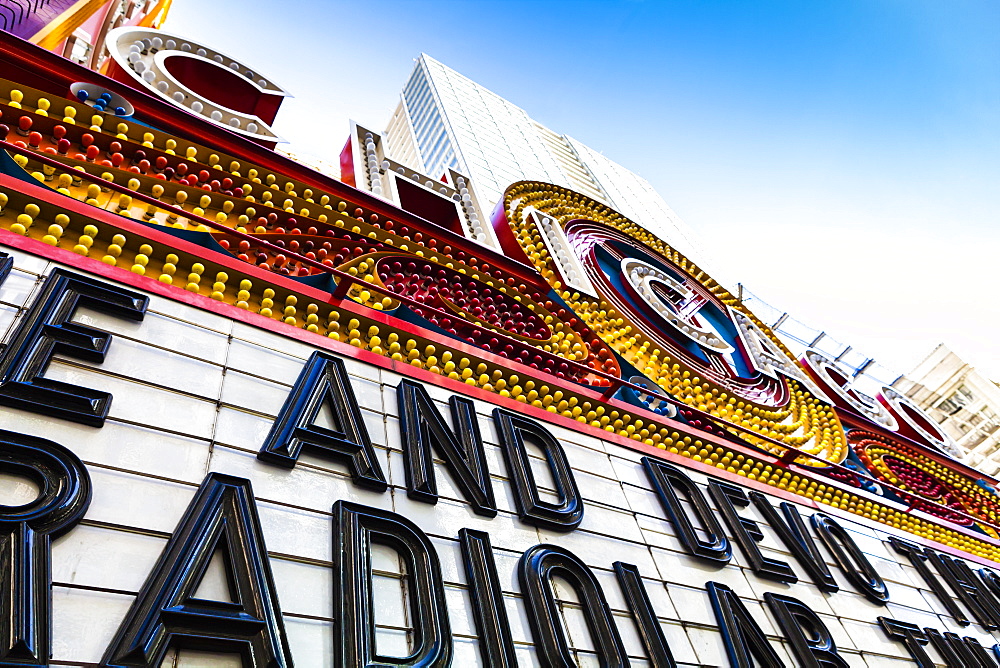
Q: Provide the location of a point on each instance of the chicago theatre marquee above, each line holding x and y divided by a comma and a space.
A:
257, 416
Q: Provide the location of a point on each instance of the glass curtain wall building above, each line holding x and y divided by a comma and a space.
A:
445, 120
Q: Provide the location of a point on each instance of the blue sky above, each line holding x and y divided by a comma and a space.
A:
842, 159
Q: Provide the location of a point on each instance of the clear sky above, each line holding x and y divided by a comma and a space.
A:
840, 158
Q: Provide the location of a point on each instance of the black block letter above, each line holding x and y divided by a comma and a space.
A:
645, 617
535, 571
46, 330
563, 516
667, 479
912, 638
167, 611
747, 532
26, 532
423, 430
797, 539
810, 639
324, 380
495, 642
851, 559
741, 634
355, 528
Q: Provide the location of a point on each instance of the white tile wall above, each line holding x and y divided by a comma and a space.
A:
195, 392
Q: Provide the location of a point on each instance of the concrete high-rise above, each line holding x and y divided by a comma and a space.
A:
962, 401
445, 120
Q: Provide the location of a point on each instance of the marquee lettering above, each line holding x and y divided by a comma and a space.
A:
423, 431
323, 382
959, 652
918, 559
26, 533
811, 641
668, 480
747, 532
851, 560
829, 375
197, 78
355, 529
6, 264
496, 646
745, 642
797, 539
977, 598
563, 515
168, 612
47, 329
657, 650
569, 315
535, 571
910, 636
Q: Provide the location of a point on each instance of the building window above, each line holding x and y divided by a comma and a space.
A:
957, 401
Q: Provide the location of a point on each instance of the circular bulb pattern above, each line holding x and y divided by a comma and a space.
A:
840, 384
675, 324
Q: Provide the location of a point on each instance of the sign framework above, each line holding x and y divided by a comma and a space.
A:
290, 401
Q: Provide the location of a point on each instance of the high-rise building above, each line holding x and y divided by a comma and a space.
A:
965, 404
444, 120
77, 30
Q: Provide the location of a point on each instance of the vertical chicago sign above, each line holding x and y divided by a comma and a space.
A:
254, 415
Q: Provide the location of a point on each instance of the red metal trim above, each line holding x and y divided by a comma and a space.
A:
232, 312
44, 69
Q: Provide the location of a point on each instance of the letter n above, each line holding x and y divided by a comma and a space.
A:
423, 431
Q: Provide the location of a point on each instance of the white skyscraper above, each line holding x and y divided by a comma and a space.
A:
445, 120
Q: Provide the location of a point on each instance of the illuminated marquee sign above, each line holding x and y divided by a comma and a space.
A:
255, 413
199, 78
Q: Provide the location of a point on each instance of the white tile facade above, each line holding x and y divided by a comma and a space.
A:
195, 393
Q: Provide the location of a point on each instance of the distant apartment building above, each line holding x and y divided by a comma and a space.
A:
965, 404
